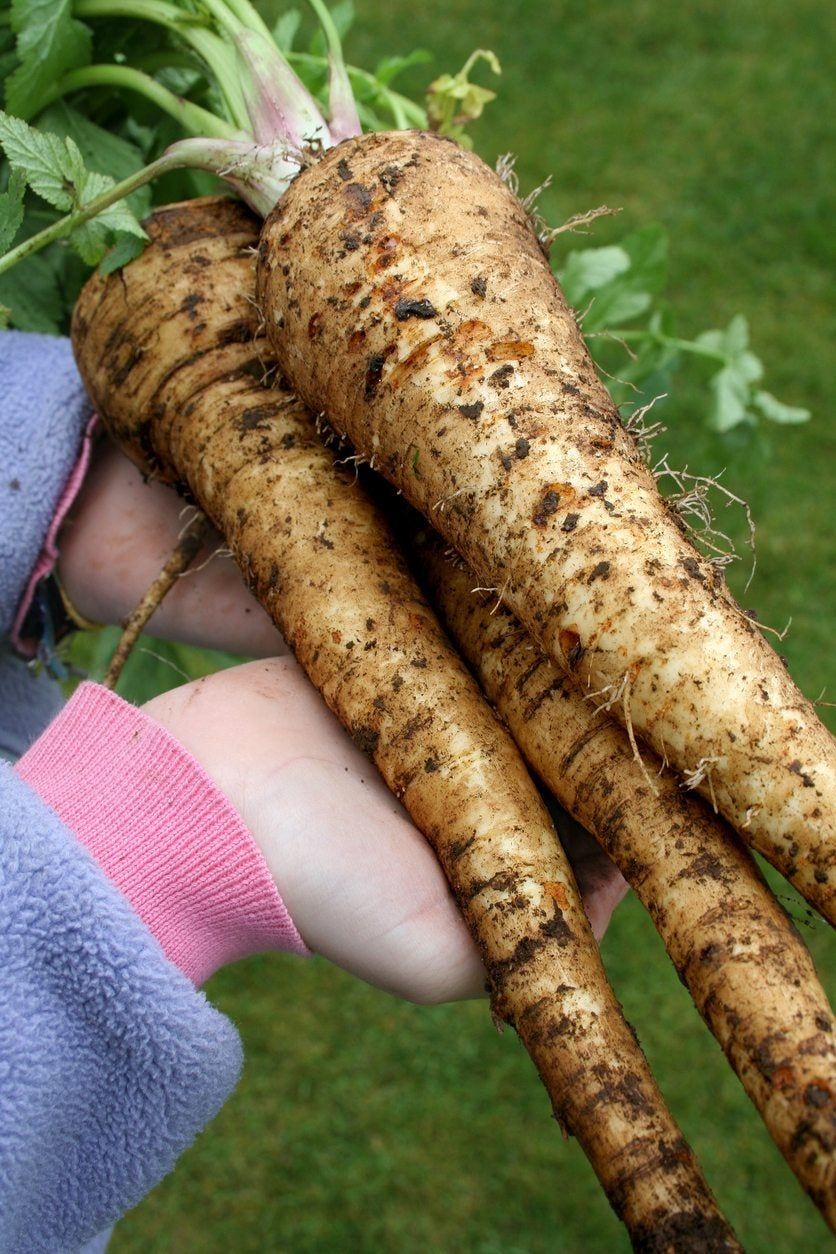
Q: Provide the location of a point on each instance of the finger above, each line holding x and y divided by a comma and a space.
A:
121, 532
601, 884
361, 883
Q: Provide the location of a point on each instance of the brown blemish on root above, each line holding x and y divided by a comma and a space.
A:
547, 505
570, 643
414, 308
510, 350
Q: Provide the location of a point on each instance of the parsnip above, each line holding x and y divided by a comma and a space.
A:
406, 294
746, 967
169, 353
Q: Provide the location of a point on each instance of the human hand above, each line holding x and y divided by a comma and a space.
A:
121, 531
361, 884
370, 894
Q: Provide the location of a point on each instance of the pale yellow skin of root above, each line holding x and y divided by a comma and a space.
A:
169, 352
736, 950
406, 295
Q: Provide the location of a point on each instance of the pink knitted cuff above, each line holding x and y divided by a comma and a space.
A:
161, 830
48, 555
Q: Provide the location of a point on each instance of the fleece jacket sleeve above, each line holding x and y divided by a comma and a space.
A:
44, 412
110, 1061
28, 702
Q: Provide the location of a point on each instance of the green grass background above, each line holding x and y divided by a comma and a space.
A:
366, 1125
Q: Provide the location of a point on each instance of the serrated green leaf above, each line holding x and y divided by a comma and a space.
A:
54, 168
50, 41
124, 250
102, 151
749, 367
11, 209
741, 364
732, 341
776, 411
118, 216
32, 294
589, 268
92, 240
42, 158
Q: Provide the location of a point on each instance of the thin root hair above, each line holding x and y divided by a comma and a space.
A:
499, 593
644, 433
505, 169
546, 235
329, 436
691, 502
166, 661
625, 383
702, 773
220, 551
615, 339
631, 735
619, 694
353, 459
576, 223
444, 501
188, 514
454, 557
752, 617
614, 693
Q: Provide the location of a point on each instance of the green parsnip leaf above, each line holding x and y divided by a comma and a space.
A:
91, 240
342, 15
590, 268
387, 70
286, 29
124, 250
776, 411
54, 169
8, 55
50, 41
453, 101
11, 209
42, 158
32, 295
617, 283
102, 151
731, 386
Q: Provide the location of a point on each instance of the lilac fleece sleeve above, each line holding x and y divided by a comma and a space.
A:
110, 1061
43, 415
